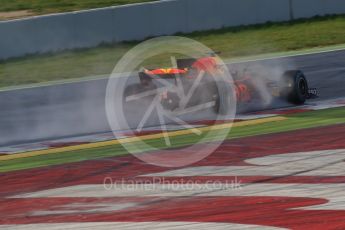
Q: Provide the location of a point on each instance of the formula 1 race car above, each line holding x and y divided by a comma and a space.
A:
199, 85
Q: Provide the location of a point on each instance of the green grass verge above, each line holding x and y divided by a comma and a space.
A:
54, 6
232, 42
294, 122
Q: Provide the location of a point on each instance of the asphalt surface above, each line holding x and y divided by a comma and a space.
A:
74, 109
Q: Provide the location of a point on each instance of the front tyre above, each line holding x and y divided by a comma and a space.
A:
295, 87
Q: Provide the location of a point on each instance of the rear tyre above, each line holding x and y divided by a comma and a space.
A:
295, 87
224, 101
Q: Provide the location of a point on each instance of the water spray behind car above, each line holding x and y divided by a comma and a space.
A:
196, 87
193, 88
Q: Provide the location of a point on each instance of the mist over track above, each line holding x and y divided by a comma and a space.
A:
75, 109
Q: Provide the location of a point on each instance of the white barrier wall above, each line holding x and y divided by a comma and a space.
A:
135, 22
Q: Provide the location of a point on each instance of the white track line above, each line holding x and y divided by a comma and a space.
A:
334, 193
316, 163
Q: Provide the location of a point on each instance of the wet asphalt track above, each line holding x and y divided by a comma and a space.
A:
75, 109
